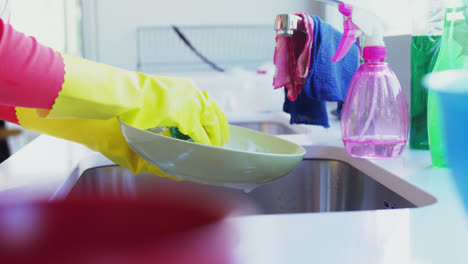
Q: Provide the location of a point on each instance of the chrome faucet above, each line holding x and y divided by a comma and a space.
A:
286, 24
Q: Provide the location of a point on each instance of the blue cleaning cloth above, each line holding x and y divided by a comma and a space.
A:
305, 110
326, 80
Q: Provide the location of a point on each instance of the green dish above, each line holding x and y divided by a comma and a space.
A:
249, 157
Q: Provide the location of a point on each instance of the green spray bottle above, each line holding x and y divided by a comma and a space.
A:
453, 54
428, 26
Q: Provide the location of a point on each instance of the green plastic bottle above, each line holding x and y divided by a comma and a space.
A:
427, 30
435, 132
453, 55
424, 51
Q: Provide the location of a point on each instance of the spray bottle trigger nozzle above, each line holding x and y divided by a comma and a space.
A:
349, 34
348, 39
345, 9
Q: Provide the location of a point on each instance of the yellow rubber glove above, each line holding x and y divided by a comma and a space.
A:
97, 91
103, 136
94, 96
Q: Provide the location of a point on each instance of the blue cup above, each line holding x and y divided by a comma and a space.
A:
451, 88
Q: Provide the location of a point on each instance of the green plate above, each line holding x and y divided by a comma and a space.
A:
249, 157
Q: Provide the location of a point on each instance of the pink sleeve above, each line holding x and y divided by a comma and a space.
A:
8, 113
31, 74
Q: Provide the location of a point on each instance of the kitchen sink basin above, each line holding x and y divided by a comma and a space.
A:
314, 186
268, 127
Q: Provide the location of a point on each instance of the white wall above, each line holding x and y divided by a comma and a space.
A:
43, 19
54, 23
110, 25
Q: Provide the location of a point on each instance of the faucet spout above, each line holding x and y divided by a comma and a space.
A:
286, 24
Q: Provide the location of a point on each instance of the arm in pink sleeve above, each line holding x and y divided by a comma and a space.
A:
31, 74
8, 113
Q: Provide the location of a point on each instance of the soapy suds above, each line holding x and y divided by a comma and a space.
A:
157, 130
245, 187
244, 145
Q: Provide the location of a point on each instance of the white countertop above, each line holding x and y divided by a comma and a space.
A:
437, 232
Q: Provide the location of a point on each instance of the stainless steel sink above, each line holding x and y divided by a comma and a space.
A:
314, 186
268, 127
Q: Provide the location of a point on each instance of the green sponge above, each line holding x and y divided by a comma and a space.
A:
175, 133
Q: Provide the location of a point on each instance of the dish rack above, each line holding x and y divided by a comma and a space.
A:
160, 49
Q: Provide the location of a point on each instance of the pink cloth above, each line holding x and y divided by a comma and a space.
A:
31, 75
292, 57
283, 61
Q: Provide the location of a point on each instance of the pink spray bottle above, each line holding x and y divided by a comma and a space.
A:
374, 121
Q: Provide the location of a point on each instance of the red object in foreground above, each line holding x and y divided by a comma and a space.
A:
167, 227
